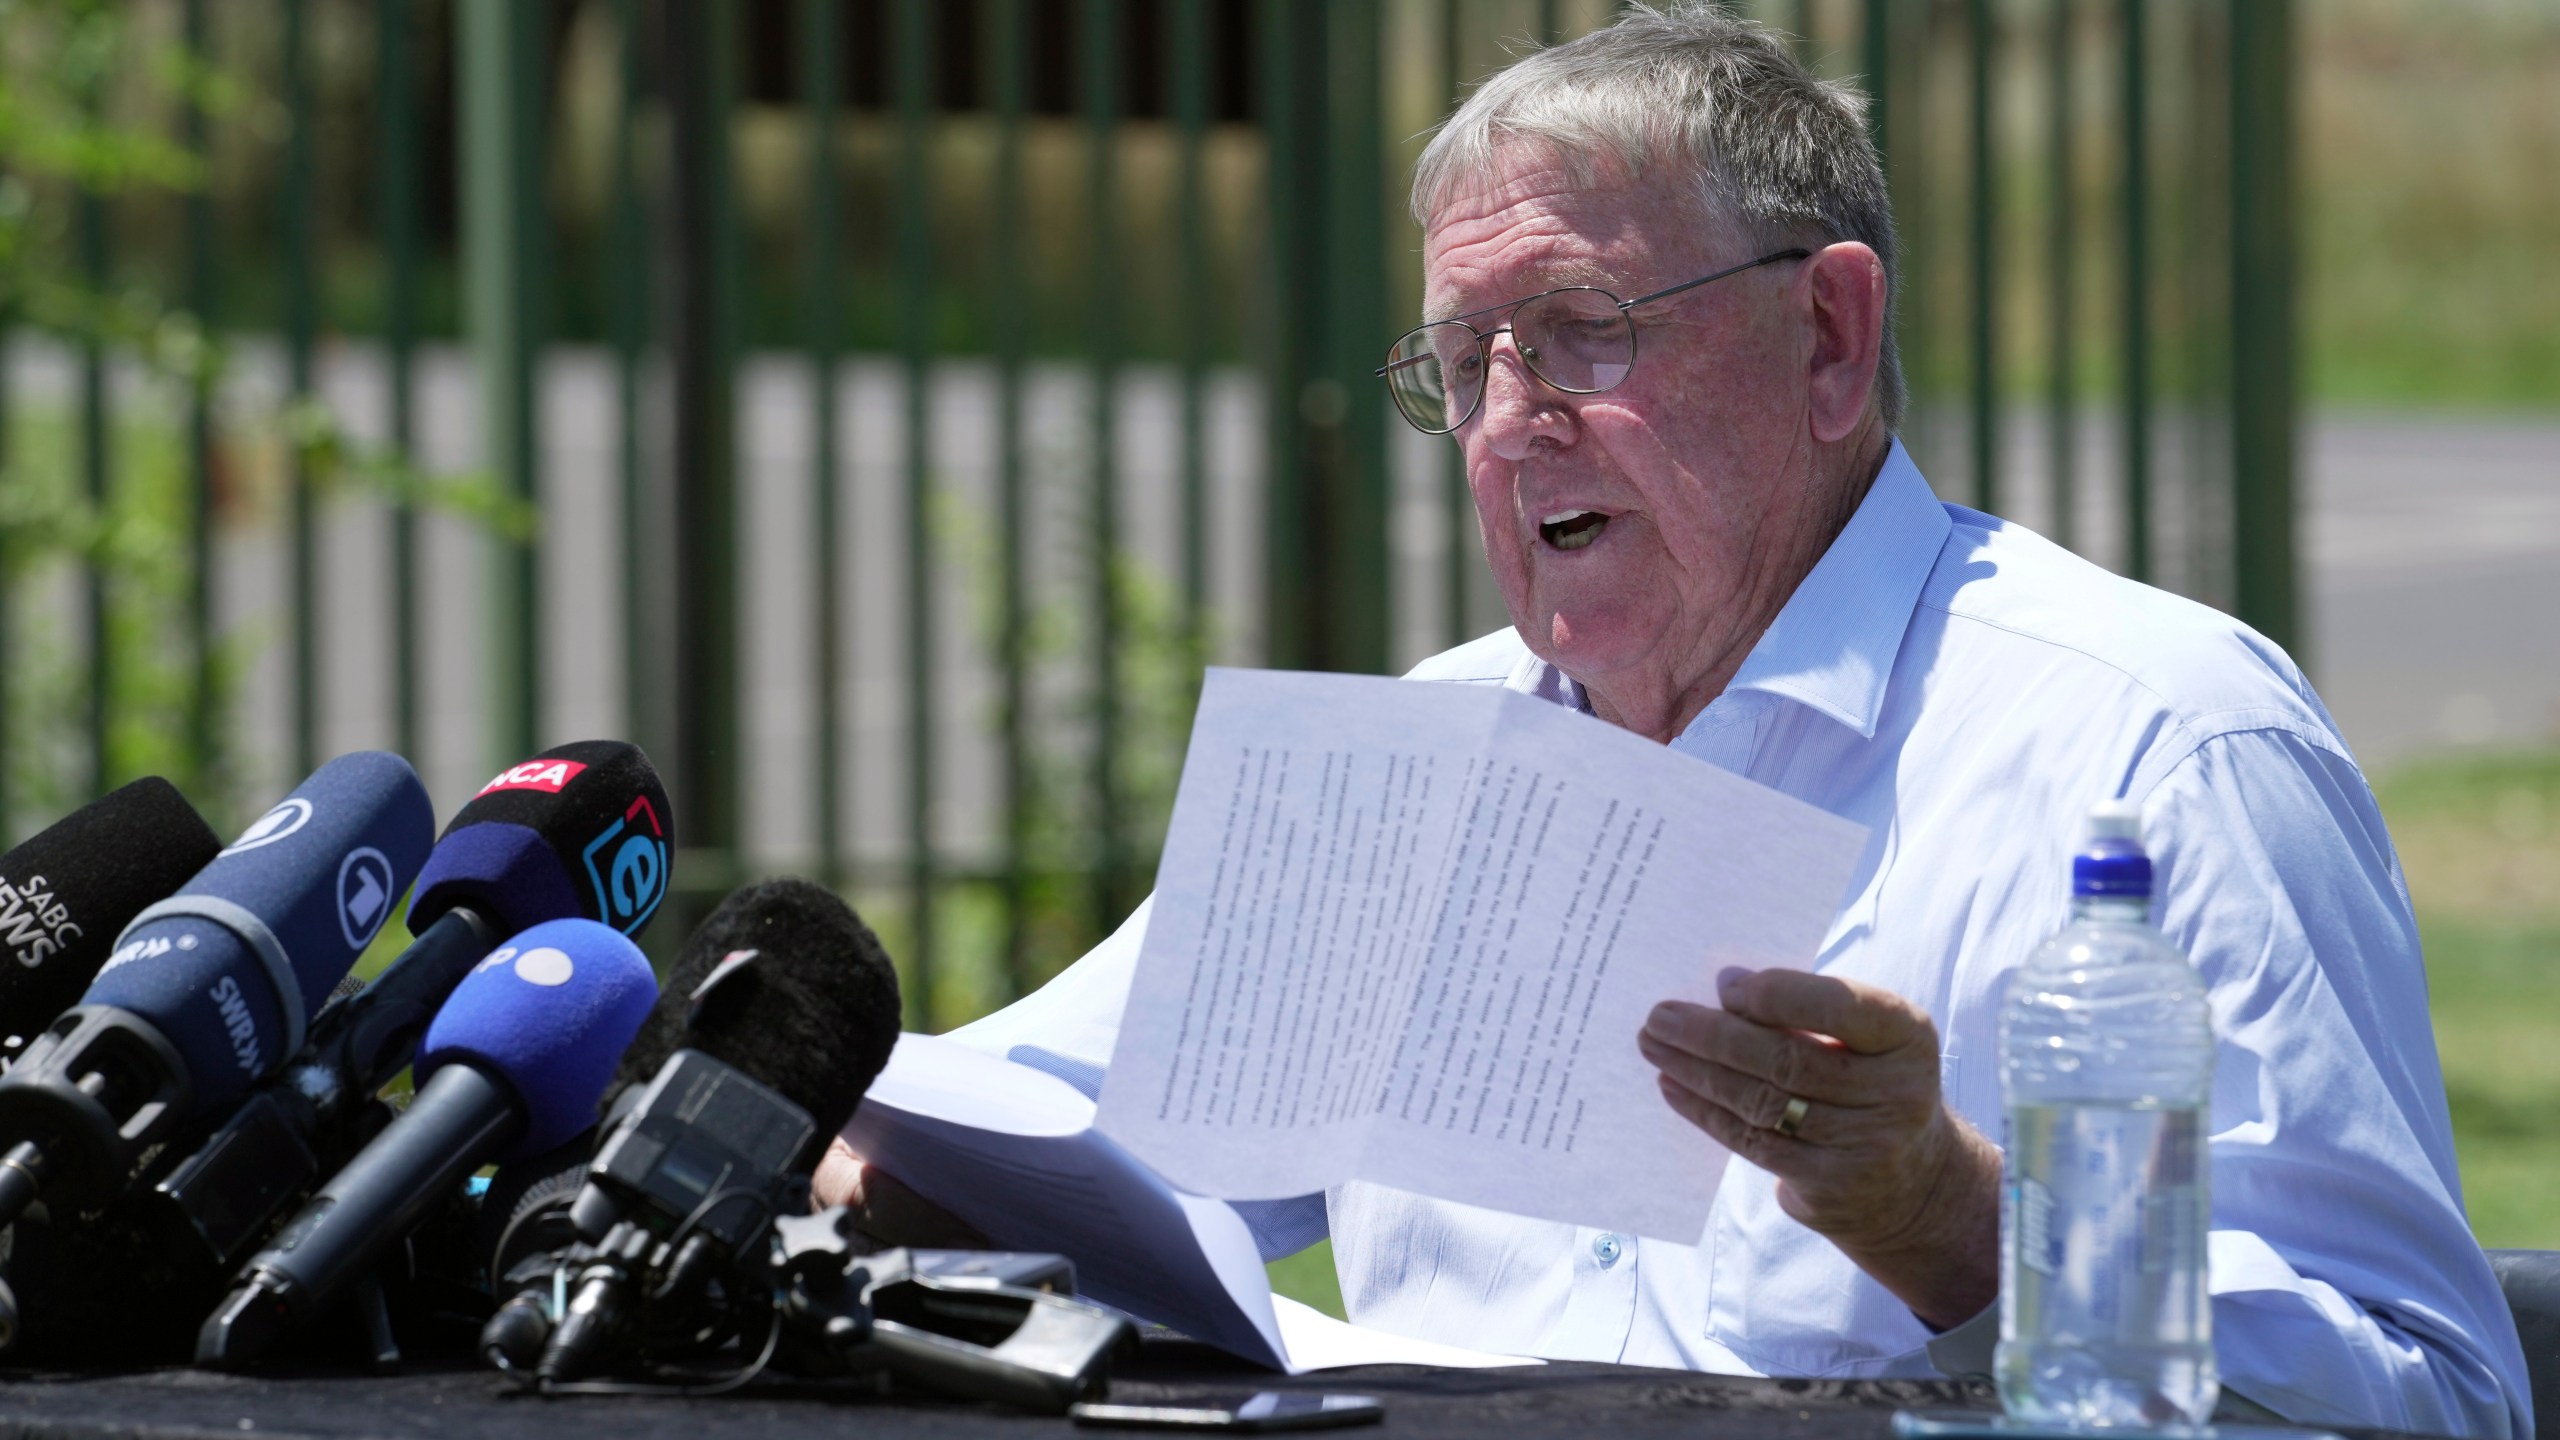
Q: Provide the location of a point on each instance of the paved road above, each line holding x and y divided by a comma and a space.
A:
2432, 561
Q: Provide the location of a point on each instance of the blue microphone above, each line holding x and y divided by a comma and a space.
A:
513, 1065
209, 991
580, 830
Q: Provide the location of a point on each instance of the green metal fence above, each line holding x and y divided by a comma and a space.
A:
2095, 196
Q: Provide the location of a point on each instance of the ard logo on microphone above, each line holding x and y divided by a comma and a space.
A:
286, 819
628, 866
364, 895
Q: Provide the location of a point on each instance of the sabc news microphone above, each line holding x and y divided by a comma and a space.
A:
794, 1013
208, 991
69, 890
579, 831
513, 1065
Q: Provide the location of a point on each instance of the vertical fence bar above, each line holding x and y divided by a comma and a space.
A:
1452, 461
2061, 422
699, 59
2263, 393
1324, 600
1292, 96
1550, 22
502, 194
627, 264
822, 59
1875, 43
2136, 218
1981, 36
1188, 54
90, 236
915, 339
1010, 58
196, 220
1102, 62
1356, 503
300, 320
396, 91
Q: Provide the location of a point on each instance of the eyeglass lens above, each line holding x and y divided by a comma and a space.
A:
1576, 340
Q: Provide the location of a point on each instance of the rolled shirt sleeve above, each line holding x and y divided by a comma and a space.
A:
2347, 1287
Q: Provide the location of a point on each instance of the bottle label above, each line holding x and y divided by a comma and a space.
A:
2038, 1250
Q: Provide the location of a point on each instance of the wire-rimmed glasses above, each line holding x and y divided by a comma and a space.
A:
1577, 338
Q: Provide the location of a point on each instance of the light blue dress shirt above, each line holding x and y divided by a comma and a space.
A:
1966, 690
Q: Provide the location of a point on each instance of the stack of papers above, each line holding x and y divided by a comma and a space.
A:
1012, 1152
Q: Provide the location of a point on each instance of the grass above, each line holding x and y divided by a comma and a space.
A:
2479, 837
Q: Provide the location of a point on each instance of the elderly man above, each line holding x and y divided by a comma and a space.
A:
1660, 263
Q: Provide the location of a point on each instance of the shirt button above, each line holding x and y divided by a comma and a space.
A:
1606, 1248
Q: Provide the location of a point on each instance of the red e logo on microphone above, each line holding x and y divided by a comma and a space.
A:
547, 776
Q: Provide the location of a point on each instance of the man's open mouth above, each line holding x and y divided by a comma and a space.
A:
1573, 529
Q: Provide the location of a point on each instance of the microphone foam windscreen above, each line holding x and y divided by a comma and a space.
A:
263, 934
68, 891
580, 829
812, 1011
549, 1012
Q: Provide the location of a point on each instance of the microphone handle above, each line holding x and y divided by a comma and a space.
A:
299, 1126
378, 1031
461, 1118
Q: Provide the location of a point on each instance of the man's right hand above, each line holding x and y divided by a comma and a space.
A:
885, 1209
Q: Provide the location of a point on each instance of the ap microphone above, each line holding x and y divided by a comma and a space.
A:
210, 990
512, 1066
578, 831
779, 1015
67, 892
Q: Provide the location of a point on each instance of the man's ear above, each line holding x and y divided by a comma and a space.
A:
1846, 284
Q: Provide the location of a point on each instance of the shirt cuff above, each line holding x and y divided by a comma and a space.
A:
1965, 1353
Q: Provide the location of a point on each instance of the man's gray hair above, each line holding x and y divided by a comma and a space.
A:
1781, 156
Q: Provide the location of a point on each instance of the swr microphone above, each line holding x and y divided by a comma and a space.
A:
578, 831
512, 1066
793, 1013
208, 991
69, 890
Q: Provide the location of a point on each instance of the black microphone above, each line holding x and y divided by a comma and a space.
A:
69, 890
209, 991
777, 1018
580, 831
513, 1065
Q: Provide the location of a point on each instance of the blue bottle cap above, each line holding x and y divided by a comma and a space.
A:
2111, 859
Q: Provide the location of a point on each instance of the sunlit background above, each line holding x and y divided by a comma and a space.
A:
881, 409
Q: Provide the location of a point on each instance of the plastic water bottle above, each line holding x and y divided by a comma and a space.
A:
2107, 1068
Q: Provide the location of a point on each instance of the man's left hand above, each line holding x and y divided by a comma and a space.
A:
1876, 1162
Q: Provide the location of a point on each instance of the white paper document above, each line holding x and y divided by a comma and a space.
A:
1013, 1153
1407, 933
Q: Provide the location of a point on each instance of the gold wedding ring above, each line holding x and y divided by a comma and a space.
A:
1791, 1119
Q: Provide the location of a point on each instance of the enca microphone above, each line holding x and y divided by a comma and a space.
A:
208, 991
67, 892
788, 1010
513, 1065
579, 831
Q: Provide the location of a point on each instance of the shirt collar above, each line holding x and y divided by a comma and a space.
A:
1832, 647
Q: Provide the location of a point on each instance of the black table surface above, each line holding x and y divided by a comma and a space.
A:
1518, 1403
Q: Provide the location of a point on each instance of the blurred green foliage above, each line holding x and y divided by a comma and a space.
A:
2479, 838
2431, 215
